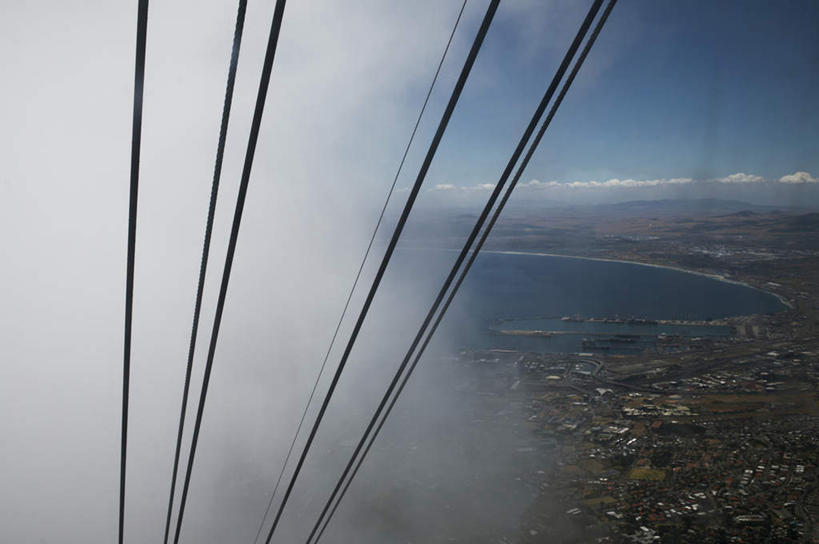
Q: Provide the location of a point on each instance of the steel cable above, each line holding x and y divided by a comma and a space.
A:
267, 68
453, 100
524, 163
136, 142
203, 266
358, 274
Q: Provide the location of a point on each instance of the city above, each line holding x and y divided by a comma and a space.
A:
689, 439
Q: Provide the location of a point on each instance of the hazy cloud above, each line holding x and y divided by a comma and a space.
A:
799, 177
453, 187
741, 177
629, 183
616, 183
611, 183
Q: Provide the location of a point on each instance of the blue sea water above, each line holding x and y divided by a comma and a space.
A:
504, 286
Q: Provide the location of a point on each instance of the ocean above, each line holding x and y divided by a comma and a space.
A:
532, 291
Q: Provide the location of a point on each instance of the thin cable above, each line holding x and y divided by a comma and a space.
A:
601, 22
581, 33
358, 274
203, 266
136, 142
453, 100
267, 68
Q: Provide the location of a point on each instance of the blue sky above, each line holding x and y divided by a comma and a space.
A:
694, 90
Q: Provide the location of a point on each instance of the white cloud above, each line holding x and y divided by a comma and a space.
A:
481, 187
616, 183
538, 184
611, 183
799, 177
741, 177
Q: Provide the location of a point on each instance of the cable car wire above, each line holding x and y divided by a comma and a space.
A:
521, 168
453, 100
136, 142
267, 68
203, 266
358, 274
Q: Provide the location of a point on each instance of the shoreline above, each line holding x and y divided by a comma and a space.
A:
717, 277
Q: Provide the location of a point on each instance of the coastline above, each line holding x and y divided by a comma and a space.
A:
717, 277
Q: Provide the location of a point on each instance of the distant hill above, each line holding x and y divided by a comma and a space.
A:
743, 213
678, 209
711, 206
